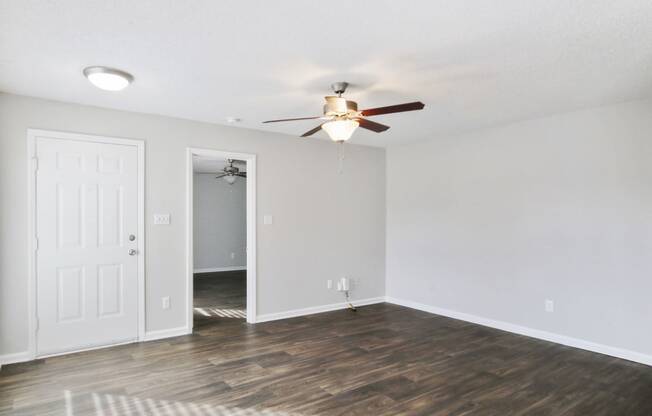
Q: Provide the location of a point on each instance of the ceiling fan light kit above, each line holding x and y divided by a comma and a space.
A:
342, 116
340, 130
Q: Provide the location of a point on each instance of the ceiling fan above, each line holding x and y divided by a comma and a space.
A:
230, 173
342, 116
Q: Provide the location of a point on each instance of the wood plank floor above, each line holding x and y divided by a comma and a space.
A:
219, 295
382, 360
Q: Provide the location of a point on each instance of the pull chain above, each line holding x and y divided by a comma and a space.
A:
340, 157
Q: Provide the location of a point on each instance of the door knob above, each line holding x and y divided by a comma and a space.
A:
132, 252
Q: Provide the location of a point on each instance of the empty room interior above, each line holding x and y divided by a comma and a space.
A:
297, 208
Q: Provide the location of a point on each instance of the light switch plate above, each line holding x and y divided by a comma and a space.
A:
161, 219
267, 219
549, 305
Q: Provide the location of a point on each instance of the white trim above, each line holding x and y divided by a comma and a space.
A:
220, 269
32, 135
32, 313
529, 332
24, 356
142, 311
17, 357
167, 333
88, 348
316, 309
251, 227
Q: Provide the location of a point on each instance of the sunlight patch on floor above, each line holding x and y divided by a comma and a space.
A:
222, 313
119, 405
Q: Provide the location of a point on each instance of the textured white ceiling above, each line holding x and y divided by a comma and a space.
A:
206, 165
474, 63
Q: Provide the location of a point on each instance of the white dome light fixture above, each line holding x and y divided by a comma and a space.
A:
340, 130
108, 79
230, 179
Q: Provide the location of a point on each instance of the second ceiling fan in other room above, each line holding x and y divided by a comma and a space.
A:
230, 173
341, 116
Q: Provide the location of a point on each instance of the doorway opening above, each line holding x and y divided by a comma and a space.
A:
221, 227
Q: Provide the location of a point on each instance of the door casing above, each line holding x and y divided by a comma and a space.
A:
32, 135
250, 159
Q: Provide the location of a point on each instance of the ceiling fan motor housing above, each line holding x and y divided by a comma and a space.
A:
338, 106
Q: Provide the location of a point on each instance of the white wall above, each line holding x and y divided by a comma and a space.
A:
220, 223
492, 222
325, 224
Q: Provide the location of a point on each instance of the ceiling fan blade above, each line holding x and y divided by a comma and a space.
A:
398, 108
311, 132
372, 125
220, 176
241, 174
291, 119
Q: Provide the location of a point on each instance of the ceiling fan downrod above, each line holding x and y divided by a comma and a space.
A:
339, 87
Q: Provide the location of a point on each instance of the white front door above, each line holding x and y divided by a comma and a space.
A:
86, 229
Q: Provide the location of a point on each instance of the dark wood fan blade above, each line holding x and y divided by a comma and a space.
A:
241, 174
398, 108
220, 176
291, 119
311, 132
372, 125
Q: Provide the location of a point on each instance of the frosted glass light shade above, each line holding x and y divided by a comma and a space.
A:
340, 130
108, 79
229, 179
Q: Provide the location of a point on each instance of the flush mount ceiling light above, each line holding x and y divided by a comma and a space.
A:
108, 79
341, 116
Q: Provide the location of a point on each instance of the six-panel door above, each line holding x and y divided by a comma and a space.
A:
86, 210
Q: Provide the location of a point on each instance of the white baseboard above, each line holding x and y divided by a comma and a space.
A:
166, 333
20, 357
17, 357
220, 269
529, 332
87, 348
316, 309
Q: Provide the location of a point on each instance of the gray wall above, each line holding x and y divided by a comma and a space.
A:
492, 223
220, 222
325, 224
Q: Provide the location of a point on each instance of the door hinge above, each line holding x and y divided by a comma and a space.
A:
35, 243
38, 323
35, 163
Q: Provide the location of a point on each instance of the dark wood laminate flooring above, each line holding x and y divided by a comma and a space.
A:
382, 360
219, 295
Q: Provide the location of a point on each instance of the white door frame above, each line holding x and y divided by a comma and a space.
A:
250, 159
32, 166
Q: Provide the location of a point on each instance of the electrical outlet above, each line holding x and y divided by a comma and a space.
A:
165, 302
550, 305
161, 219
344, 284
329, 284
